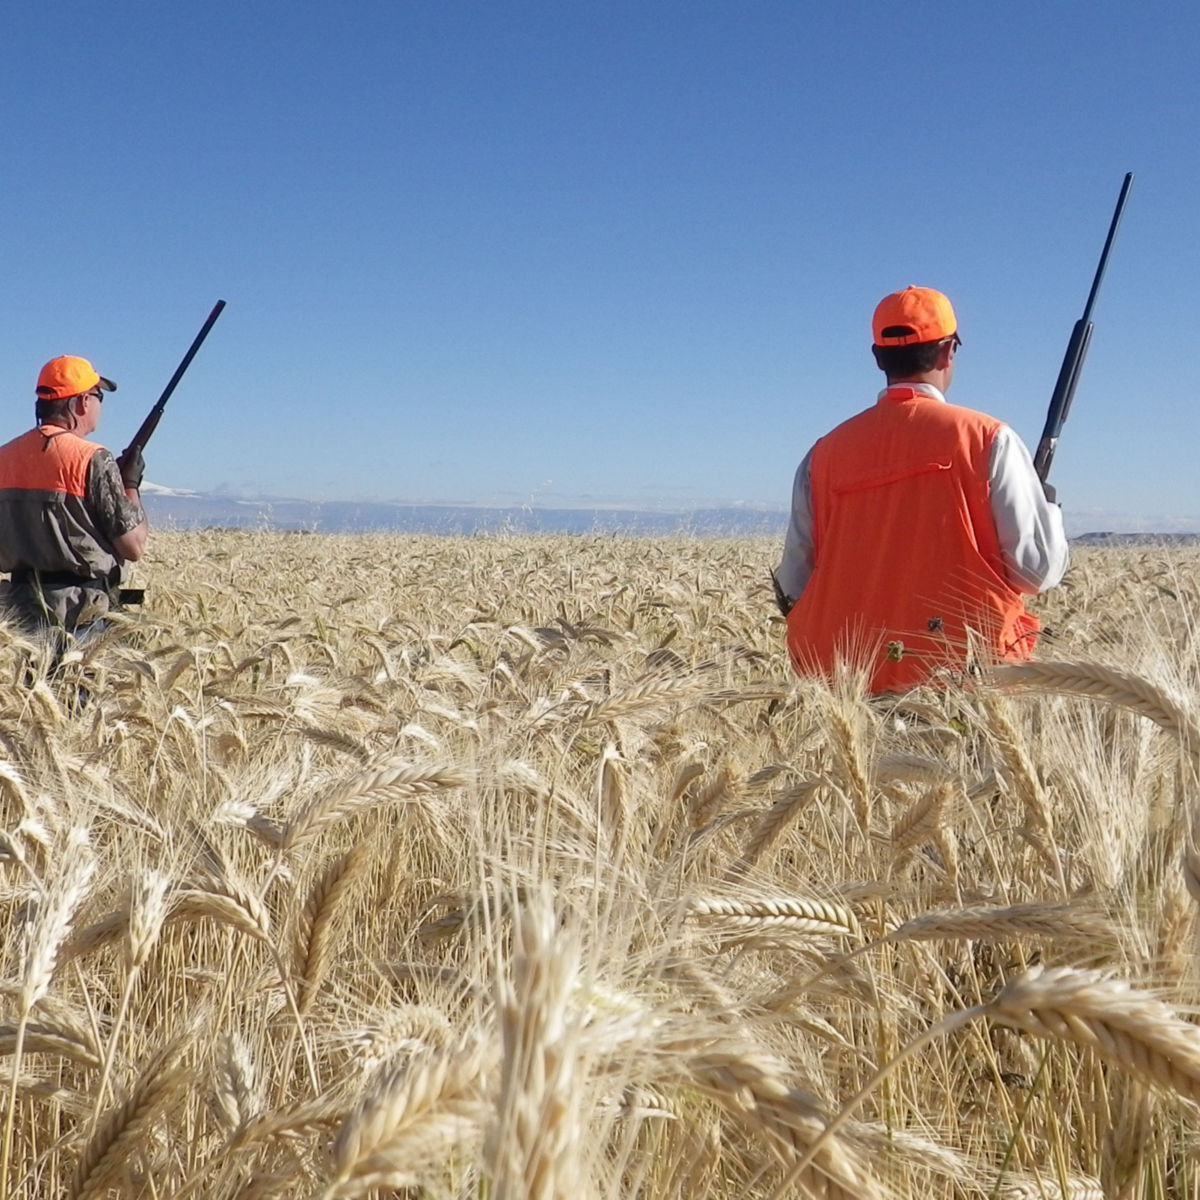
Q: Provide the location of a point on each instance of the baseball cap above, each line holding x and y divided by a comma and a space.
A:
914, 315
69, 376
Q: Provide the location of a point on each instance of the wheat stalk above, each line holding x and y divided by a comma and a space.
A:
846, 737
235, 1090
435, 1094
993, 924
1019, 765
365, 791
147, 911
54, 918
207, 897
223, 900
531, 1149
799, 914
1111, 684
52, 1091
335, 739
1128, 1028
125, 1128
909, 768
709, 799
12, 785
306, 1116
650, 694
148, 907
50, 928
1047, 1187
749, 1083
922, 821
770, 828
315, 922
613, 789
50, 1037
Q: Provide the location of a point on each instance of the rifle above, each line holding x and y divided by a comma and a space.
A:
126, 596
150, 424
1077, 348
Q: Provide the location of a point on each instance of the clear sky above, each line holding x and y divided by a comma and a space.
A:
554, 252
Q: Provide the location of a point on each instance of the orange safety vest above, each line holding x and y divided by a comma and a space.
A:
907, 576
46, 522
29, 464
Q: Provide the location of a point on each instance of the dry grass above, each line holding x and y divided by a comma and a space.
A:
524, 867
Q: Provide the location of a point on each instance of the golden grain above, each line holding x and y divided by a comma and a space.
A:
524, 866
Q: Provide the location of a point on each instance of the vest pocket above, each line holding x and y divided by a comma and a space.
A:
875, 481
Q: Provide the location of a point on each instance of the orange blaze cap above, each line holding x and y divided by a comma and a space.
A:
69, 376
914, 315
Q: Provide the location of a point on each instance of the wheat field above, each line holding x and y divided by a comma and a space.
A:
524, 867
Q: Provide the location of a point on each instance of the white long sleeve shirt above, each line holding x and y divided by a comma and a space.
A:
1029, 528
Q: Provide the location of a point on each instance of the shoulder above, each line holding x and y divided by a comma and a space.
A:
71, 446
102, 467
28, 436
850, 425
114, 511
972, 416
972, 424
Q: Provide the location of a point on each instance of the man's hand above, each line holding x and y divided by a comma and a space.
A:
132, 467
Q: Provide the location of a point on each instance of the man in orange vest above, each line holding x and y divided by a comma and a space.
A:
917, 526
69, 516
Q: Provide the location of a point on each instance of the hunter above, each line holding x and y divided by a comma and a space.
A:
69, 516
917, 527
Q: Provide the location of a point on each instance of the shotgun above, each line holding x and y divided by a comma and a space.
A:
150, 424
1077, 348
125, 596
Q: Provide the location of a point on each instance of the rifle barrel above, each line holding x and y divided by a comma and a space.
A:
149, 425
1077, 348
1108, 241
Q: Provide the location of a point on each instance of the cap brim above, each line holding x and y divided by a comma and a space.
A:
107, 384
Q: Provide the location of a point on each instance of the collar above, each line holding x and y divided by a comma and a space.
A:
906, 391
50, 432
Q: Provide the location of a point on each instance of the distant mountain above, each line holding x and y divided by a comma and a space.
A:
1137, 539
167, 507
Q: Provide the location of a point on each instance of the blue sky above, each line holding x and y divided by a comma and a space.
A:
569, 252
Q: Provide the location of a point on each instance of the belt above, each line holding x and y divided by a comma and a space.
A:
57, 579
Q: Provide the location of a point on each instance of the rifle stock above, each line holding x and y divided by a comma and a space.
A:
1077, 348
150, 424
